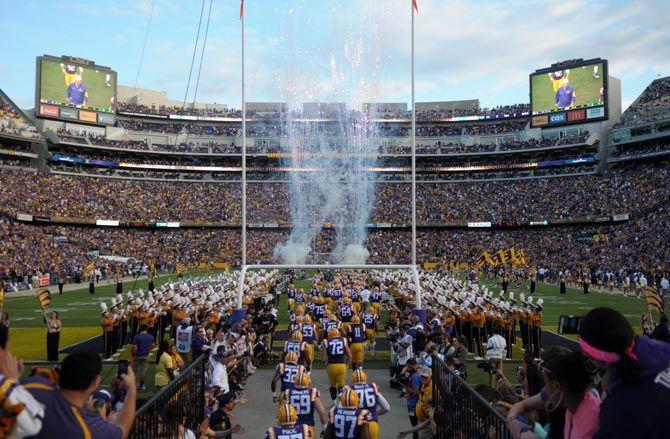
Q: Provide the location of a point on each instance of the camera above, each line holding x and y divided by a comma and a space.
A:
123, 367
487, 367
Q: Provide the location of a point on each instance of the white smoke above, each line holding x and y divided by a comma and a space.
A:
292, 253
339, 189
354, 254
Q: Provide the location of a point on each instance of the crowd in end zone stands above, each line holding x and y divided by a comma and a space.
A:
13, 123
637, 245
653, 104
499, 111
626, 189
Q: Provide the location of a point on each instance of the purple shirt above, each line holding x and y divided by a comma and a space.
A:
565, 96
65, 420
76, 93
143, 341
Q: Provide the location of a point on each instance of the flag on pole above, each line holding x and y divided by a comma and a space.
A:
415, 5
88, 270
180, 268
44, 297
653, 299
242, 9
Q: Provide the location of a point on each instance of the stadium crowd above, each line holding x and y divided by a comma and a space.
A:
651, 105
501, 111
11, 122
625, 189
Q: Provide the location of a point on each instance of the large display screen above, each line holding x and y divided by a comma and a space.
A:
569, 93
74, 89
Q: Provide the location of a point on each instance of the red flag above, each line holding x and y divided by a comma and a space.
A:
415, 5
242, 9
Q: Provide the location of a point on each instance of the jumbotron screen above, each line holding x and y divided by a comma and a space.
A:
75, 90
569, 93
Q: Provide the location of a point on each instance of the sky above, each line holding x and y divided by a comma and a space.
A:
337, 50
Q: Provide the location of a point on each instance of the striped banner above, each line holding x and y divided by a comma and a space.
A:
44, 297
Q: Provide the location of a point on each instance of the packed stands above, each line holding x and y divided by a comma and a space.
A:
653, 104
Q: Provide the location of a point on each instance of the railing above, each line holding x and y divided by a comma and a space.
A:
182, 402
460, 412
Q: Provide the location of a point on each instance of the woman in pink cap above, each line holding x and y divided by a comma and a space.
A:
637, 376
567, 385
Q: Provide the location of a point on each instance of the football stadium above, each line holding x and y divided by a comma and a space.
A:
339, 250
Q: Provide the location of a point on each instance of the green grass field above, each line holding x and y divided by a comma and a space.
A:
587, 88
78, 310
53, 87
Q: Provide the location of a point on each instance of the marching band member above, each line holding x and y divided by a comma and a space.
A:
107, 323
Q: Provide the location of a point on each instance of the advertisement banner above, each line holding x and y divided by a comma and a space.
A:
69, 113
576, 115
540, 120
87, 116
593, 113
48, 110
106, 119
558, 118
44, 280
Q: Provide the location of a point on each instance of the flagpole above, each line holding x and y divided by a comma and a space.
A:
417, 286
244, 167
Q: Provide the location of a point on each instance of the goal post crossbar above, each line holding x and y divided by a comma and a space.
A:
412, 268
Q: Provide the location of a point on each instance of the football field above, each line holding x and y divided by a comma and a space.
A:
80, 312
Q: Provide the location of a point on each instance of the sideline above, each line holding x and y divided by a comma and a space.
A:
80, 286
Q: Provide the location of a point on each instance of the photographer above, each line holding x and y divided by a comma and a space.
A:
496, 347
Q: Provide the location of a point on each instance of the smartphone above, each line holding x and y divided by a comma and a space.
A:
123, 367
99, 403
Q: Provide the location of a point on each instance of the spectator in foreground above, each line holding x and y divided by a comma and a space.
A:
637, 377
141, 348
661, 331
21, 414
566, 384
496, 347
164, 367
67, 414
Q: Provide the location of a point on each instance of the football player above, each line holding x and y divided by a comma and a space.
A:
287, 428
70, 72
305, 399
357, 336
336, 356
347, 421
286, 373
369, 398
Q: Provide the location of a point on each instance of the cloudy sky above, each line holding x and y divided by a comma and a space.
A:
343, 50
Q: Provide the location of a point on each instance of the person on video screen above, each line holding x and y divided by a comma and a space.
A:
557, 77
70, 72
77, 93
565, 95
